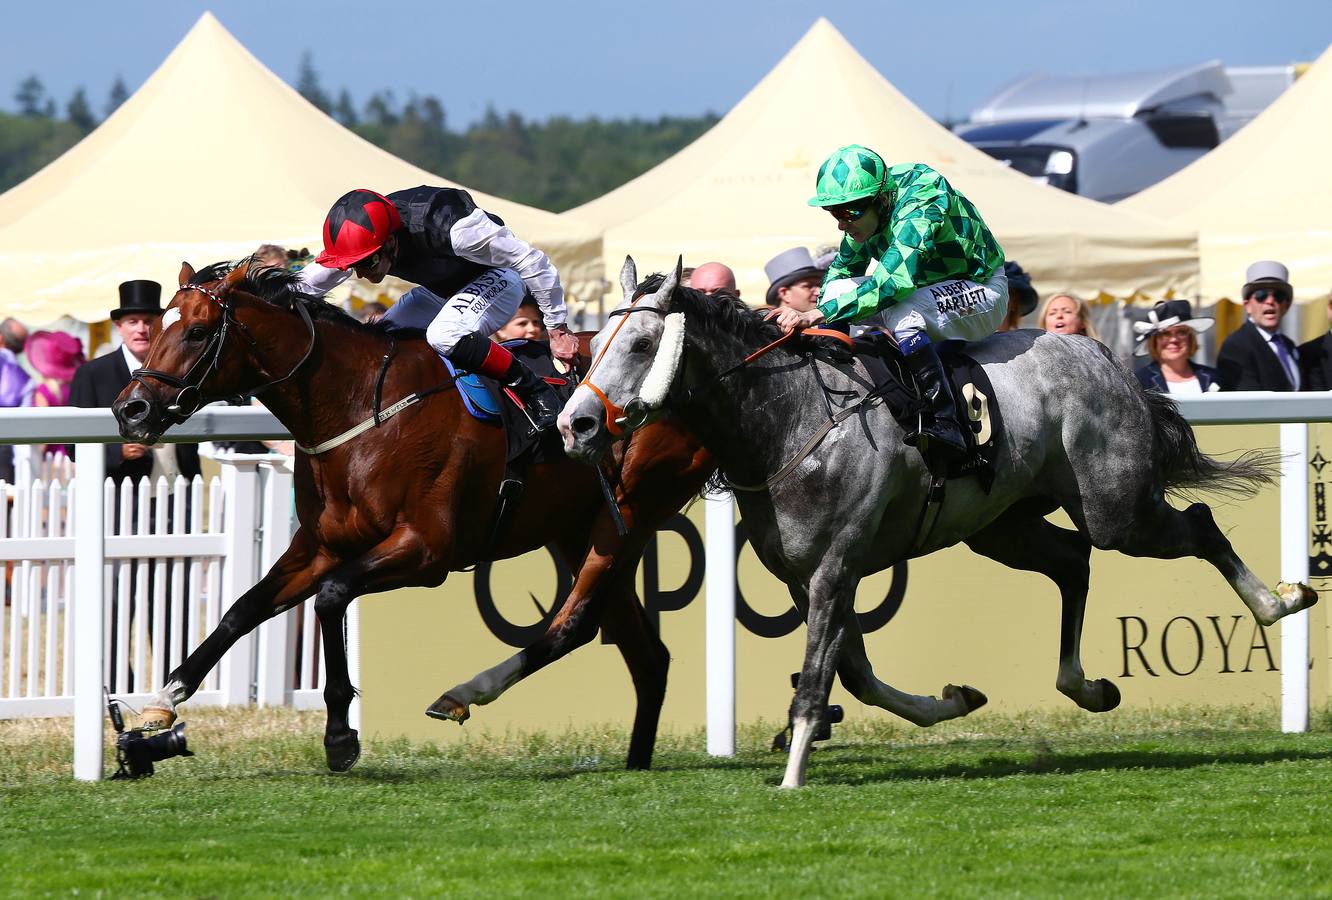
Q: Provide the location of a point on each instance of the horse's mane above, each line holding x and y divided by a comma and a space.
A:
722, 313
276, 286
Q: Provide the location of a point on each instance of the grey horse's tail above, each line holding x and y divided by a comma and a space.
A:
1189, 471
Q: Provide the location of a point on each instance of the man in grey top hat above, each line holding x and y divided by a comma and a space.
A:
793, 280
1258, 357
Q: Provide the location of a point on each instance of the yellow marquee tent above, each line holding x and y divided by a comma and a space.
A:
211, 157
1263, 194
738, 193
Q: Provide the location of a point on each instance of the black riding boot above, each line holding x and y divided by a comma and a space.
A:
543, 404
940, 423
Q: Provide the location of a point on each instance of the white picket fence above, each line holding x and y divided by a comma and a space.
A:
169, 552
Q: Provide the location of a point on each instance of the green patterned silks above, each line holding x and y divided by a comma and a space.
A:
931, 234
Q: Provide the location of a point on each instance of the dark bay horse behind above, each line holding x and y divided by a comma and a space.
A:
405, 503
824, 511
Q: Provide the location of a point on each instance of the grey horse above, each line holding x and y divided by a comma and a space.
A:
823, 512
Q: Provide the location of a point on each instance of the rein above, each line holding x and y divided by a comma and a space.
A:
190, 398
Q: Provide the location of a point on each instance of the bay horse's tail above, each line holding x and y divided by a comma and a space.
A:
1187, 470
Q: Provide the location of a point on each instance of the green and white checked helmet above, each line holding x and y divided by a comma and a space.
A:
850, 173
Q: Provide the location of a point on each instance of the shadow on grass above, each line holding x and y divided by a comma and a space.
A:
834, 765
833, 769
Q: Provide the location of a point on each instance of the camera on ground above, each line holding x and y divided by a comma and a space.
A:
137, 749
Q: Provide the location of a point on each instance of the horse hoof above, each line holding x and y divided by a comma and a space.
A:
449, 710
1296, 596
155, 718
971, 698
343, 751
1109, 695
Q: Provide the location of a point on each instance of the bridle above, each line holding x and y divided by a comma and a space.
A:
190, 397
638, 410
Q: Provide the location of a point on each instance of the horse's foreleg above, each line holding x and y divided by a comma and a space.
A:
857, 676
1168, 533
393, 563
1023, 541
648, 660
291, 580
831, 593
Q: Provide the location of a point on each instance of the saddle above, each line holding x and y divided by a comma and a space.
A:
489, 401
977, 409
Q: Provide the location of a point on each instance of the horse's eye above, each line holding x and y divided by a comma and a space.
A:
196, 333
640, 345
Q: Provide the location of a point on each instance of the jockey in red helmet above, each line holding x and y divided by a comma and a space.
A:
470, 267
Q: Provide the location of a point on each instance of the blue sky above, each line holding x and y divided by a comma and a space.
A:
619, 59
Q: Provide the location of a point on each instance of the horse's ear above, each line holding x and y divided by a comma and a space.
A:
663, 295
238, 274
186, 273
629, 278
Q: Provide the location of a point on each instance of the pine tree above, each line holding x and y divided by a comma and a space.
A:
29, 96
119, 94
79, 113
344, 111
307, 83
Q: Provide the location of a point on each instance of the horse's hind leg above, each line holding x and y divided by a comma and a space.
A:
1021, 540
648, 660
1163, 532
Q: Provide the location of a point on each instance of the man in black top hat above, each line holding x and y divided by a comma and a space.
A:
98, 382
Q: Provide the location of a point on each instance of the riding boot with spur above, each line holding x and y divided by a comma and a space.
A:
543, 404
940, 423
477, 353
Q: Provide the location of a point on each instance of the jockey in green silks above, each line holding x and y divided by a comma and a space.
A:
940, 273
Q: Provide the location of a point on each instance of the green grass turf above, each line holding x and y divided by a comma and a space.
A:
1130, 804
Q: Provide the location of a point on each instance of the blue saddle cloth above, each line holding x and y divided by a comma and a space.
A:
413, 312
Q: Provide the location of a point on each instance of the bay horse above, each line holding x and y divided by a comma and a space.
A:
405, 503
826, 504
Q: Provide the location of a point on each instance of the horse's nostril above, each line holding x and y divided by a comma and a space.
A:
134, 411
584, 424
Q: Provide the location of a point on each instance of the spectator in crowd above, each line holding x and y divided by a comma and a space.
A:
714, 278
1316, 359
793, 280
1066, 314
56, 356
96, 384
1258, 357
1170, 337
526, 323
16, 385
271, 255
687, 276
371, 312
1022, 297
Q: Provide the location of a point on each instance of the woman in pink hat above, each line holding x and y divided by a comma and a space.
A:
55, 355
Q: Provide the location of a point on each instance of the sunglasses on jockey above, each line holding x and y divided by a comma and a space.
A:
852, 212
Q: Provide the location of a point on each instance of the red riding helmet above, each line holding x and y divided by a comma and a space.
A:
357, 225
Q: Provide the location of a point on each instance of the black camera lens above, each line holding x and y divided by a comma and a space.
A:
138, 753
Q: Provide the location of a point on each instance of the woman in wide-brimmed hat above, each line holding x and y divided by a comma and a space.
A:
55, 355
1170, 337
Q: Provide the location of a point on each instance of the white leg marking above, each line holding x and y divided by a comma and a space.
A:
801, 737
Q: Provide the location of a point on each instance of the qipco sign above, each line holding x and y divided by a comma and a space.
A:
658, 600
